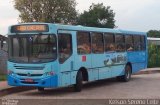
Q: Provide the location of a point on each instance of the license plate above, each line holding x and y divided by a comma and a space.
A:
29, 80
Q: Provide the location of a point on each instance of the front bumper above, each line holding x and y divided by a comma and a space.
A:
47, 82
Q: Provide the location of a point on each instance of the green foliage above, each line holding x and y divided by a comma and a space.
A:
153, 50
153, 56
52, 11
98, 16
3, 77
154, 33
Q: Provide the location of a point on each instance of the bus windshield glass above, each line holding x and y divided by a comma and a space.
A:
32, 48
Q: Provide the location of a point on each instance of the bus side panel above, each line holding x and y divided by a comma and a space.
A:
137, 67
118, 70
98, 62
138, 60
65, 76
93, 74
73, 77
82, 61
104, 73
119, 61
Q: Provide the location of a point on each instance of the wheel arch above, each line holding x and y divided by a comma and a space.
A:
130, 64
84, 73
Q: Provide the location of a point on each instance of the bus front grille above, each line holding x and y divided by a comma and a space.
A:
30, 67
30, 75
24, 82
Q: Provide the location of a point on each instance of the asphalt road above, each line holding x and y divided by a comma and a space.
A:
146, 86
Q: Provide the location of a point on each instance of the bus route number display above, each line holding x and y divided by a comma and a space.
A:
29, 28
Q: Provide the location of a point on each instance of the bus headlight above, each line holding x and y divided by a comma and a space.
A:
9, 72
51, 73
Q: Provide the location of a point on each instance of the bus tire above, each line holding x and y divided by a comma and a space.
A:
40, 89
127, 76
79, 82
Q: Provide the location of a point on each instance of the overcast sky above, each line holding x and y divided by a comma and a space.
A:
138, 15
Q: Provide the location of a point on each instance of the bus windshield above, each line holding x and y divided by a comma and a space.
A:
32, 48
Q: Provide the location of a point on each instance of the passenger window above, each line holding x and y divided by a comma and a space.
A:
129, 43
65, 47
137, 43
97, 43
83, 43
120, 46
109, 42
143, 43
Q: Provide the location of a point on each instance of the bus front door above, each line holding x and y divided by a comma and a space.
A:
66, 59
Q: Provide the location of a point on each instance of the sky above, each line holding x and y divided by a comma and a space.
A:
136, 15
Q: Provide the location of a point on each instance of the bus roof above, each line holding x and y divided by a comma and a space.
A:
133, 32
84, 28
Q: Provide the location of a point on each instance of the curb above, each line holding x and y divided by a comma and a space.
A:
147, 72
12, 90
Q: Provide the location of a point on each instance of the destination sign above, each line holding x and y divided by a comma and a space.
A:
29, 28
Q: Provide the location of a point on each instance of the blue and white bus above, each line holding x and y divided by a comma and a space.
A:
46, 55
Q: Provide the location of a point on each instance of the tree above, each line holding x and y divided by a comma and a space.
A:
153, 55
97, 16
154, 33
52, 11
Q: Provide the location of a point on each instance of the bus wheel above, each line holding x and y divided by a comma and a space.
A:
127, 76
40, 89
79, 82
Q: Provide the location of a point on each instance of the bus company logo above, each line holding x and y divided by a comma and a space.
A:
29, 74
115, 59
30, 39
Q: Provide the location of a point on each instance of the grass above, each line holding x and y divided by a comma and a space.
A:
3, 77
